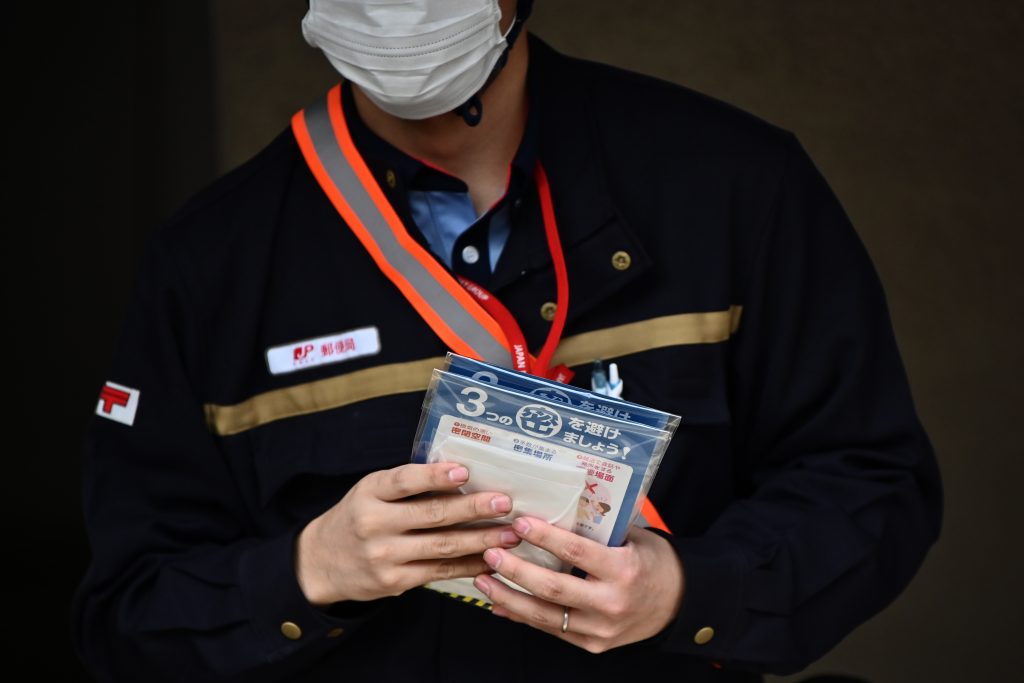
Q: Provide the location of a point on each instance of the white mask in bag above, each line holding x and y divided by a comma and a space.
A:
537, 488
413, 58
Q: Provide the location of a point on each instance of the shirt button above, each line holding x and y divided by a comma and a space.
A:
621, 260
470, 254
291, 630
391, 179
335, 632
704, 636
547, 311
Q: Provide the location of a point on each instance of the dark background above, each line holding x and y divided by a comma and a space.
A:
116, 112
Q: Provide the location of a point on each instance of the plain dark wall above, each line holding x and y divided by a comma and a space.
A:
912, 109
109, 114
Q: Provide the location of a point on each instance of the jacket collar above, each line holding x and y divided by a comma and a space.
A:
590, 228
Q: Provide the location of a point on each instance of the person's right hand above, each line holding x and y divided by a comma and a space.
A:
384, 538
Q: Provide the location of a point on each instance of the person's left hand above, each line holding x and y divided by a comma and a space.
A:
630, 593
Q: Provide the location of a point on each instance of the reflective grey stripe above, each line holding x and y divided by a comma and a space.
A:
345, 179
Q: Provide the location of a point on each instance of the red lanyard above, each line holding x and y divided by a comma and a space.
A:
521, 358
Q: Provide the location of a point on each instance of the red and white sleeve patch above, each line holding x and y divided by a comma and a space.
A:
118, 403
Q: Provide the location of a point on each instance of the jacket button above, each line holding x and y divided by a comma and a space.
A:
547, 311
335, 632
704, 635
621, 260
291, 630
391, 179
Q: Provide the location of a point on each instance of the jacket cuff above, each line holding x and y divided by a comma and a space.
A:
712, 611
281, 617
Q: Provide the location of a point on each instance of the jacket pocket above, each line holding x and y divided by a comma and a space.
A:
685, 380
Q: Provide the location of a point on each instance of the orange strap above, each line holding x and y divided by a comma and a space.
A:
312, 151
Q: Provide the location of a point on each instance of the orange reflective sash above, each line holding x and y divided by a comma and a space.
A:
450, 311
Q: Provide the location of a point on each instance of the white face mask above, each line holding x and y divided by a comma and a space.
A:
414, 58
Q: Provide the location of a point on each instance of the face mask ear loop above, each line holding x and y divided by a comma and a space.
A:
522, 13
472, 110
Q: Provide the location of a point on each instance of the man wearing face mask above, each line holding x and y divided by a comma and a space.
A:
249, 509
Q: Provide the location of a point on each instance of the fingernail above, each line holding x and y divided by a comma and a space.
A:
521, 526
501, 504
493, 558
482, 585
458, 474
509, 538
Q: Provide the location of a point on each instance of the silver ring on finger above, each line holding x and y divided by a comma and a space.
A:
565, 619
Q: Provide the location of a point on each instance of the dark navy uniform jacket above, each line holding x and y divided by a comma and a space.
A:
706, 256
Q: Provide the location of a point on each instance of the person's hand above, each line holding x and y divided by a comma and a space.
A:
380, 540
630, 593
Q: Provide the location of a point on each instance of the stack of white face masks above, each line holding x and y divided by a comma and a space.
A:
414, 58
538, 488
581, 461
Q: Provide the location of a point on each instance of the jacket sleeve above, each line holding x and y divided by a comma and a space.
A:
840, 489
181, 584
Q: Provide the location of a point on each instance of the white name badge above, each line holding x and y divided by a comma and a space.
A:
333, 348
